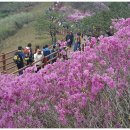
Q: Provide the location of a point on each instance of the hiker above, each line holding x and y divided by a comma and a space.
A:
71, 38
68, 39
78, 40
19, 59
38, 57
36, 48
75, 45
28, 54
46, 52
82, 35
54, 55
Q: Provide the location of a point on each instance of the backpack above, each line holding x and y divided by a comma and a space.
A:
26, 52
17, 58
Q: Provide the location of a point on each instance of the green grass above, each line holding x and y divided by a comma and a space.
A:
24, 36
10, 24
11, 35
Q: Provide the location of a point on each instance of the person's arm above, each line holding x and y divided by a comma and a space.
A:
23, 55
35, 57
42, 53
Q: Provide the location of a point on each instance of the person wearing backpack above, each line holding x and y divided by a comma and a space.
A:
28, 54
19, 59
46, 52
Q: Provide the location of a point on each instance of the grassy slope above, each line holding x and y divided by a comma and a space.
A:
27, 33
24, 36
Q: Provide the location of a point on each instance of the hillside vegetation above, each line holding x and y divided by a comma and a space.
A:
92, 7
8, 8
10, 24
13, 33
103, 19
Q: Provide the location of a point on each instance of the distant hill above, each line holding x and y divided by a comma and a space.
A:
90, 6
7, 8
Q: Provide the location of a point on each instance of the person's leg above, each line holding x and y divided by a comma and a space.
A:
19, 66
75, 47
27, 62
30, 61
70, 43
38, 68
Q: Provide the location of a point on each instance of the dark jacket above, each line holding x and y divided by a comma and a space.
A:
68, 37
46, 52
71, 37
21, 56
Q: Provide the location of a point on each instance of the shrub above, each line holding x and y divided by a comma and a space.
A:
103, 19
89, 90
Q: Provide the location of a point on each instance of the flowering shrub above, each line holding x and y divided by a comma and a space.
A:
78, 16
89, 90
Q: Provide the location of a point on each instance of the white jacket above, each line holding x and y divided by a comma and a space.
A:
38, 57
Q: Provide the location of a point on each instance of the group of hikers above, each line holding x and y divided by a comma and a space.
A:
27, 56
75, 41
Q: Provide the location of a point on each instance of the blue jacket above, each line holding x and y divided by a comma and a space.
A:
46, 51
21, 54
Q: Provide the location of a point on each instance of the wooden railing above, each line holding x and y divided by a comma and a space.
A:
43, 64
6, 61
7, 64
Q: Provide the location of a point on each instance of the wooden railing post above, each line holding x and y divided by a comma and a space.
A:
4, 62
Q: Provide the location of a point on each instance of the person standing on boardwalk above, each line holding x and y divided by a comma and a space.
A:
78, 40
46, 52
68, 39
38, 58
19, 59
28, 54
71, 38
75, 44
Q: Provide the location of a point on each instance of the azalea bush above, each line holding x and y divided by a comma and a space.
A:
89, 90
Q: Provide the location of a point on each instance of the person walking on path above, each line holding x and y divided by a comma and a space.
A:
19, 59
75, 45
46, 52
71, 38
28, 54
77, 42
68, 39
